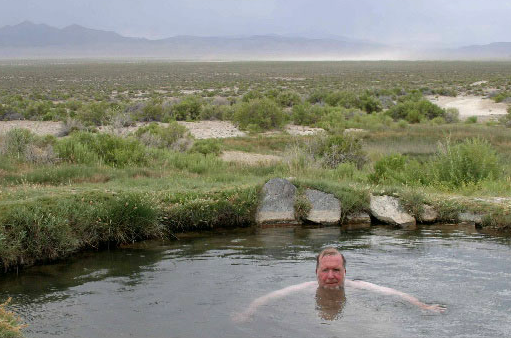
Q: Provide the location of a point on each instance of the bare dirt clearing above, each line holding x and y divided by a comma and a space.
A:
468, 106
212, 129
37, 127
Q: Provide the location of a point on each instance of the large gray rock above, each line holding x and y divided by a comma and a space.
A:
325, 208
277, 204
387, 209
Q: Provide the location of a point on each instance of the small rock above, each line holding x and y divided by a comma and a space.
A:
429, 214
361, 217
387, 209
360, 220
277, 205
325, 208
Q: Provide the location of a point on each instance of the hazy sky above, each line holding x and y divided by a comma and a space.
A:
432, 22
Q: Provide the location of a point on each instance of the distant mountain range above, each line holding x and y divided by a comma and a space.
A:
29, 40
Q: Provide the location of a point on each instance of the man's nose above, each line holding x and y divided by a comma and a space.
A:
331, 274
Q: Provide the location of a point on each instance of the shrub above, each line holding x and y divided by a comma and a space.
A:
415, 111
70, 125
342, 99
188, 109
307, 115
206, 147
451, 115
263, 114
369, 103
158, 136
288, 98
317, 96
334, 150
471, 120
469, 162
93, 114
387, 167
16, 141
215, 112
252, 95
87, 148
10, 326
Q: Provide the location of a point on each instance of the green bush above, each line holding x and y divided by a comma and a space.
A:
388, 167
288, 98
16, 141
151, 111
215, 112
189, 109
369, 103
89, 148
261, 114
342, 99
308, 115
155, 135
93, 114
415, 111
469, 162
206, 147
471, 120
334, 150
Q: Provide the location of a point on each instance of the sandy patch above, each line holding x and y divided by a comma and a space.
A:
212, 129
302, 130
37, 127
248, 158
472, 106
478, 83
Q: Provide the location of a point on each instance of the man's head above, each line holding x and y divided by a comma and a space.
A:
330, 268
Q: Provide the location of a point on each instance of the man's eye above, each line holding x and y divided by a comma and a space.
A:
337, 270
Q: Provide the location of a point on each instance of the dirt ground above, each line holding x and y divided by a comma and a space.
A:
37, 127
485, 109
248, 158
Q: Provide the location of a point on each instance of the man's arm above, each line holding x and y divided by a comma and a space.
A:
252, 308
388, 291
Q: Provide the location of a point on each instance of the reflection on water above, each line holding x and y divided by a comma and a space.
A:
191, 287
330, 303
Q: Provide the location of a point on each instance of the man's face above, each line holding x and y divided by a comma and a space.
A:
331, 272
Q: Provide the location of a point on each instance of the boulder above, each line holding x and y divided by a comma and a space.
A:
429, 214
387, 209
469, 217
325, 208
277, 203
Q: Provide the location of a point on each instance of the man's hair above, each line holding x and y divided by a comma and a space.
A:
330, 252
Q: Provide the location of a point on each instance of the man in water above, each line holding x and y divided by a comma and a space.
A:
330, 274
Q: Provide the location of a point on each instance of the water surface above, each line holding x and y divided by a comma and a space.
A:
192, 287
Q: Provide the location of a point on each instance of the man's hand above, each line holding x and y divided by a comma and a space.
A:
434, 307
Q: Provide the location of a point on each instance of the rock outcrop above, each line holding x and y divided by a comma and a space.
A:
387, 209
277, 203
325, 208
